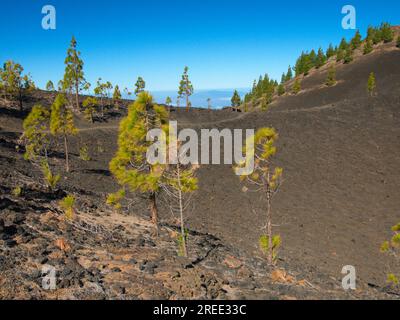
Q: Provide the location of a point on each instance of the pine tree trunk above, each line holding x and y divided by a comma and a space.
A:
154, 210
269, 229
66, 153
187, 103
77, 96
181, 211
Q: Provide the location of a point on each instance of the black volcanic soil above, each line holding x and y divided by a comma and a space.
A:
340, 151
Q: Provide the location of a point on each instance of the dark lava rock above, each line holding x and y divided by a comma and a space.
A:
64, 283
18, 218
44, 260
8, 232
150, 243
147, 267
66, 271
140, 241
10, 243
116, 269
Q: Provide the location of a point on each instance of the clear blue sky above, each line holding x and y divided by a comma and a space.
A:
226, 44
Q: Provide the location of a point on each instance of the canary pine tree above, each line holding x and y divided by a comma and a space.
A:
355, 43
35, 135
185, 87
330, 52
348, 56
386, 32
296, 86
331, 77
321, 58
289, 74
62, 123
281, 89
74, 79
117, 97
15, 84
139, 85
50, 86
179, 182
264, 178
102, 91
129, 165
398, 42
168, 102
235, 100
368, 46
371, 84
89, 108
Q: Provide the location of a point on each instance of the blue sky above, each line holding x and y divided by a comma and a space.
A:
226, 44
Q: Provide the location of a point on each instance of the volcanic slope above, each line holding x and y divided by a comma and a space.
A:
340, 151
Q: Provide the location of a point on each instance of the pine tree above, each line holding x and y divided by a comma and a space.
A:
371, 85
60, 86
281, 89
398, 42
50, 179
103, 91
235, 100
313, 59
62, 123
264, 103
74, 78
331, 78
368, 47
185, 87
90, 105
377, 36
370, 33
283, 78
117, 97
321, 59
296, 86
348, 57
289, 74
179, 182
356, 41
15, 84
35, 136
330, 52
139, 86
129, 165
266, 179
386, 33
343, 45
340, 55
168, 102
50, 86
